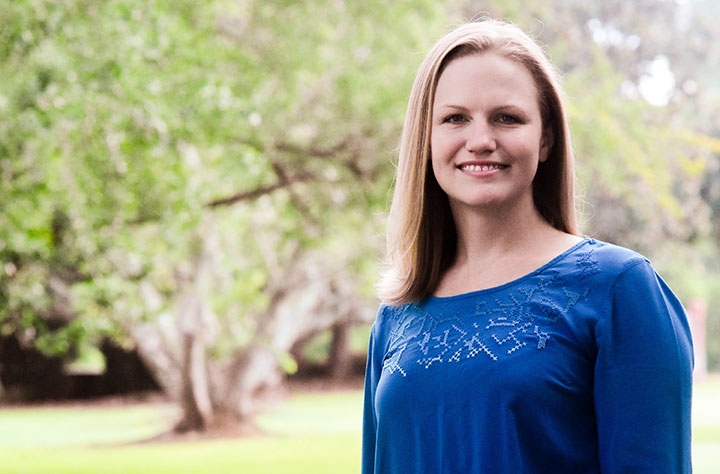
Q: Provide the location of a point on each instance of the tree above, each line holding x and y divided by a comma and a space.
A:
206, 181
202, 181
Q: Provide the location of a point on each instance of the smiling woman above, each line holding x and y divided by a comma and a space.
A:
487, 147
506, 342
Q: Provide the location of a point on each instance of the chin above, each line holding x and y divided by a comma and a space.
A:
478, 202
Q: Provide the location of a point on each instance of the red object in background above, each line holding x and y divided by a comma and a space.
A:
697, 312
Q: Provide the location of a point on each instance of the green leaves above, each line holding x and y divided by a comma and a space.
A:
135, 132
128, 119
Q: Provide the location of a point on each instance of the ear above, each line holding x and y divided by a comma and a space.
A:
546, 143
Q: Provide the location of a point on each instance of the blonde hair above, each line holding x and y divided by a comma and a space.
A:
421, 235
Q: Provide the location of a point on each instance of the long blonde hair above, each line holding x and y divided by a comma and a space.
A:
421, 237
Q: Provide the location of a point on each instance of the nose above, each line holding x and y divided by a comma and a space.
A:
480, 138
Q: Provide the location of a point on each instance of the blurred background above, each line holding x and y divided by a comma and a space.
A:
193, 197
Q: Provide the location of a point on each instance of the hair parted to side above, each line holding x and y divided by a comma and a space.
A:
421, 236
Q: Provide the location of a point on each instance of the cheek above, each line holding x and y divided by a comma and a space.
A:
442, 146
528, 146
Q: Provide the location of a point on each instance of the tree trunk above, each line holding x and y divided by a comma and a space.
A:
340, 359
226, 394
252, 374
194, 393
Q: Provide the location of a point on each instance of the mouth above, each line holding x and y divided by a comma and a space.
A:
481, 166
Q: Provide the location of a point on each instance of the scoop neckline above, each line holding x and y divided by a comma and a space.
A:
555, 260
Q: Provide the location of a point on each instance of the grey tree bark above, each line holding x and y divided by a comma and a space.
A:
310, 295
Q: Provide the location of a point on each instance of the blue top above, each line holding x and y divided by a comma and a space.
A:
582, 366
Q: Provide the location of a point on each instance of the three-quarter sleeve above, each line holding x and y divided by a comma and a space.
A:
372, 376
643, 377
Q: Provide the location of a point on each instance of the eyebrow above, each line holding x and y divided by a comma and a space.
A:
509, 107
451, 106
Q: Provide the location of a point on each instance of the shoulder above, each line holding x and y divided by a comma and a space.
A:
389, 316
603, 263
632, 287
613, 259
600, 269
391, 321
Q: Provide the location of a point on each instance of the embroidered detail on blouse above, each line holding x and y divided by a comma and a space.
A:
500, 326
542, 338
587, 262
399, 316
391, 362
444, 343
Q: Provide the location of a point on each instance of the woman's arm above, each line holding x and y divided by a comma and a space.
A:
643, 377
372, 376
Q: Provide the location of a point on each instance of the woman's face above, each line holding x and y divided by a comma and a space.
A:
487, 133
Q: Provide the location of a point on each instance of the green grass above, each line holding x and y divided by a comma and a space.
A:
79, 426
706, 426
310, 433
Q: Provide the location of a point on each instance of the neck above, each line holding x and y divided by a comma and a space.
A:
486, 234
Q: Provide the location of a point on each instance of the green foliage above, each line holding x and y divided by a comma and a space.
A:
287, 363
128, 119
317, 349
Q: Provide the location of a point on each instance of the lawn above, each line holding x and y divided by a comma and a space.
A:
310, 433
706, 426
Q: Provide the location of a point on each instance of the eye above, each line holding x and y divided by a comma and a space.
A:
454, 118
508, 119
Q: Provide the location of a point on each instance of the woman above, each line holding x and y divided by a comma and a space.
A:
507, 343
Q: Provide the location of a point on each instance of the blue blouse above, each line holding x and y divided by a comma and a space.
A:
582, 366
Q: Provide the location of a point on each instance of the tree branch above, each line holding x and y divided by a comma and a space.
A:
329, 152
332, 151
283, 182
286, 181
295, 197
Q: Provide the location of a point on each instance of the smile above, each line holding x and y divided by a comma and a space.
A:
488, 167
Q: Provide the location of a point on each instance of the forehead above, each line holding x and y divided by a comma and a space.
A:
486, 77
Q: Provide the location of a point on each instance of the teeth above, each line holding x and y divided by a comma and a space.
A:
481, 167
